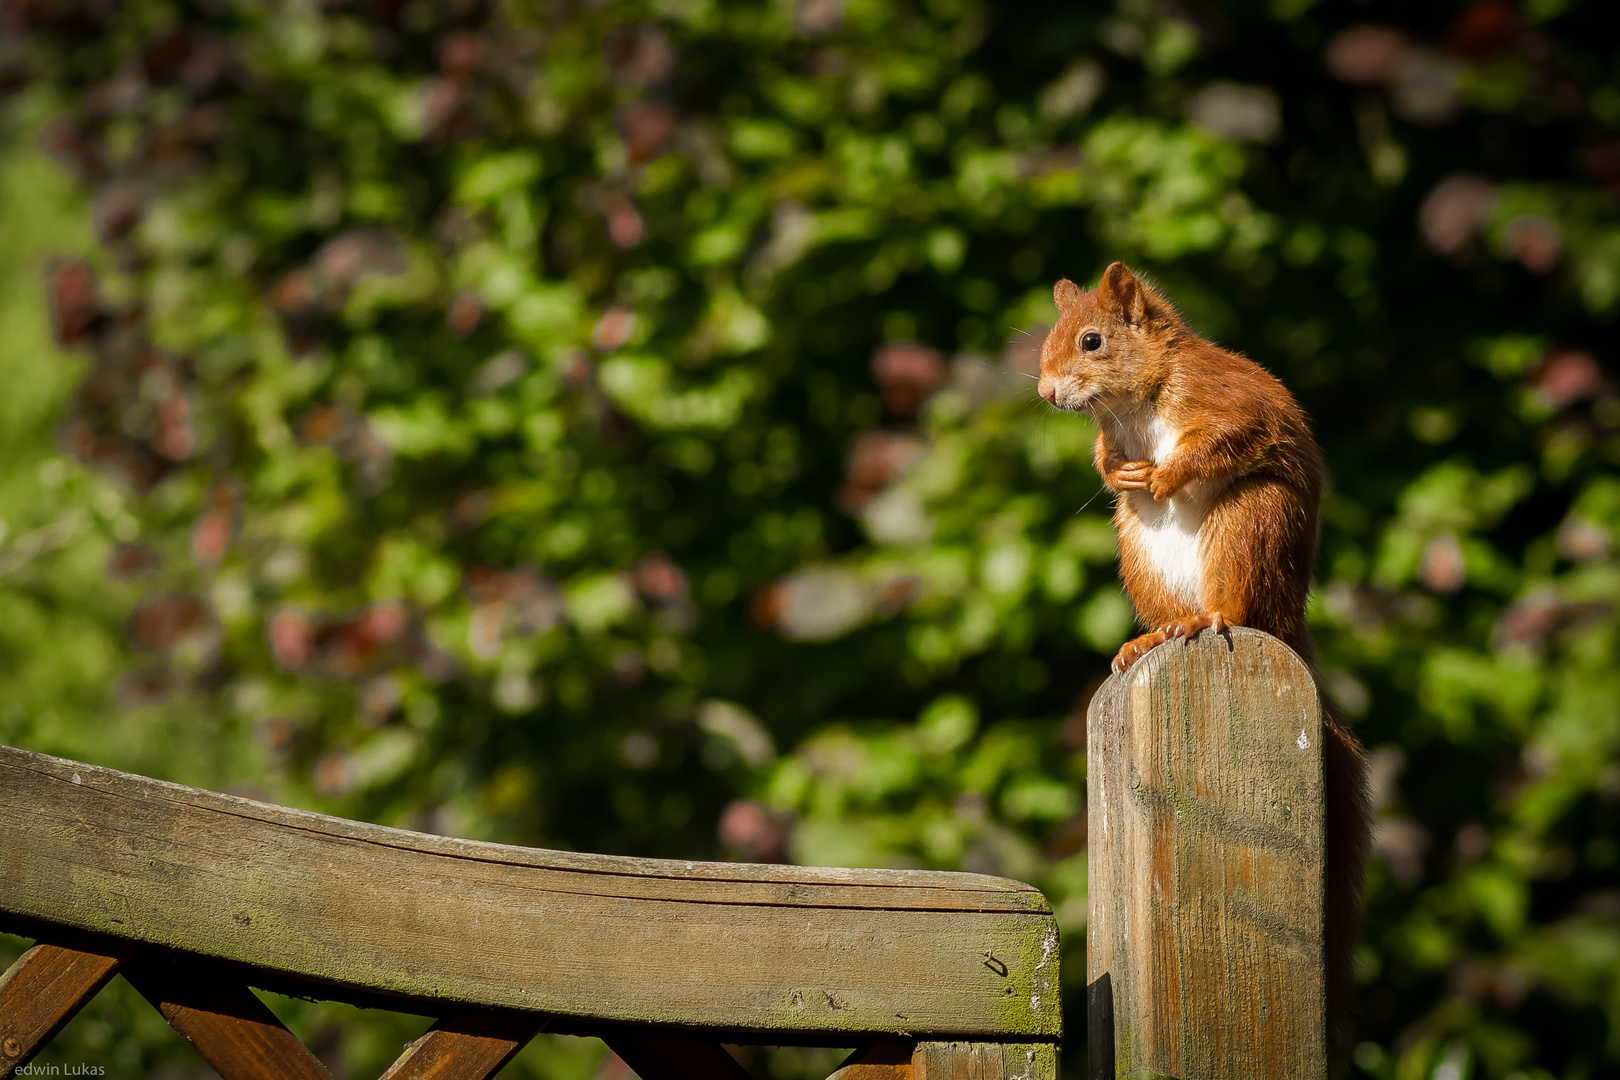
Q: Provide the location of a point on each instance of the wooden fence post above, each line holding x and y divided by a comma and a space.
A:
1205, 938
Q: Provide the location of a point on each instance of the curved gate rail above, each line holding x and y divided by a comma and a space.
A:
195, 896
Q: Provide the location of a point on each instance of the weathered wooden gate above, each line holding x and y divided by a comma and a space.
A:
1204, 955
195, 896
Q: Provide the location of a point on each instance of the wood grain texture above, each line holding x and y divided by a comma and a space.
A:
662, 1054
1204, 794
889, 1059
466, 1046
46, 988
438, 921
231, 1028
984, 1061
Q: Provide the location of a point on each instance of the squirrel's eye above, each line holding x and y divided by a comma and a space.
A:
1091, 342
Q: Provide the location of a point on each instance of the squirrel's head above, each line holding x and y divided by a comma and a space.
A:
1112, 343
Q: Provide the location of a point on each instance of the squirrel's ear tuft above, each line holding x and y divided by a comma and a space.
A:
1065, 293
1122, 290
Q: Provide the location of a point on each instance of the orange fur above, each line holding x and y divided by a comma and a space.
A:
1219, 480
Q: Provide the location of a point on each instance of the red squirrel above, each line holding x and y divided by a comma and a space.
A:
1218, 481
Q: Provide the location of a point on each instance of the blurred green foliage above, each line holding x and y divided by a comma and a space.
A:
607, 426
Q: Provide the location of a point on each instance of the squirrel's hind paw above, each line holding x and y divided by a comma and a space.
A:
1138, 647
1189, 627
1192, 624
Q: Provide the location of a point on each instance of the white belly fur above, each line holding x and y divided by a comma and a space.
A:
1169, 531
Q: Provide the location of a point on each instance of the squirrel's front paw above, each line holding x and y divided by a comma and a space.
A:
1161, 486
1130, 476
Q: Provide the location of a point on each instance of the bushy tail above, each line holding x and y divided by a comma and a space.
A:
1344, 765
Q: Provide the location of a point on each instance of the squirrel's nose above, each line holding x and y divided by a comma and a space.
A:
1047, 389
